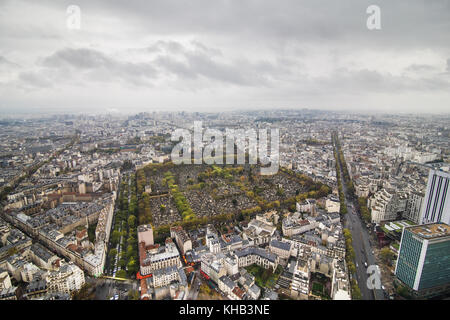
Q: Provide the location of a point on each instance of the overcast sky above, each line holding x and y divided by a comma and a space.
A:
218, 55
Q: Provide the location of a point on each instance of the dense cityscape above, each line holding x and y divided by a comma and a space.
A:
93, 207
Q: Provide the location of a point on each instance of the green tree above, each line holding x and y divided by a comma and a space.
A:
122, 263
132, 266
205, 289
130, 251
12, 251
133, 295
121, 274
115, 236
386, 255
113, 252
351, 267
132, 221
356, 292
403, 291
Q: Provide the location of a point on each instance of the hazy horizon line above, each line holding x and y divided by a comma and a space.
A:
119, 112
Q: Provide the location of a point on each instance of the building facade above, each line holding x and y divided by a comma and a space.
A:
436, 206
68, 278
423, 262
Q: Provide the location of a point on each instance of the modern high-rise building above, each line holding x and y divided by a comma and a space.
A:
423, 262
414, 207
436, 206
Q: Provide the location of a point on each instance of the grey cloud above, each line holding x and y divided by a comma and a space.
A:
33, 80
208, 50
174, 47
196, 64
404, 23
166, 46
200, 61
99, 66
176, 67
7, 63
420, 68
173, 58
365, 81
78, 58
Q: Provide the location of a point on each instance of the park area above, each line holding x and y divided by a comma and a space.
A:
320, 286
264, 278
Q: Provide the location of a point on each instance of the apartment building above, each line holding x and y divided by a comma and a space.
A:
68, 278
214, 266
383, 206
181, 238
281, 249
256, 255
414, 206
165, 256
165, 276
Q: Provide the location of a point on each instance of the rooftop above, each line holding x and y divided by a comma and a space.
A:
281, 245
431, 231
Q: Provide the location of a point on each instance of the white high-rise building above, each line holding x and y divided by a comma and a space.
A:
436, 206
384, 205
414, 206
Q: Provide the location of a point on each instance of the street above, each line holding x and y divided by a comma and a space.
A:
107, 288
363, 249
195, 287
361, 245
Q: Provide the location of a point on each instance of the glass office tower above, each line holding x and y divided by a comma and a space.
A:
423, 262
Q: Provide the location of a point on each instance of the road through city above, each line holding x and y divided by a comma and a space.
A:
361, 243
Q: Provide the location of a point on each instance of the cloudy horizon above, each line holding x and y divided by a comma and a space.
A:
223, 55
